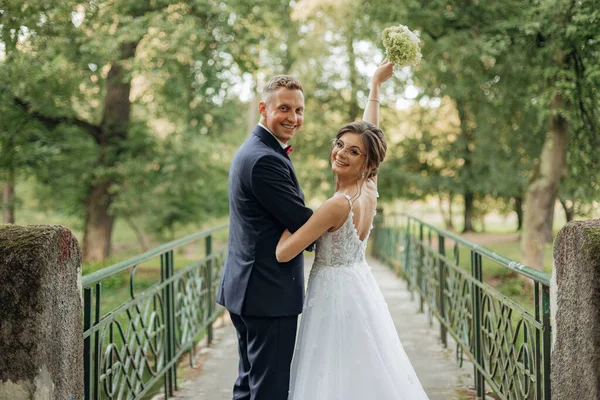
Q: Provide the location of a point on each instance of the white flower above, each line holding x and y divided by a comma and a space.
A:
402, 46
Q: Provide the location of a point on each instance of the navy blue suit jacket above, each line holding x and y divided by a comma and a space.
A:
264, 200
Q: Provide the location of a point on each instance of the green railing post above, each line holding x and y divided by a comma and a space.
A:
97, 351
87, 344
477, 345
173, 318
538, 342
111, 375
546, 335
165, 266
408, 265
442, 287
399, 247
420, 269
377, 227
209, 263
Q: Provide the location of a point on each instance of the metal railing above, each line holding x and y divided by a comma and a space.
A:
507, 342
130, 347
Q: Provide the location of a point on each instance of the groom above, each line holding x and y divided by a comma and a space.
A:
263, 296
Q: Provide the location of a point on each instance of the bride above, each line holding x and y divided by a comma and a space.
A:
348, 347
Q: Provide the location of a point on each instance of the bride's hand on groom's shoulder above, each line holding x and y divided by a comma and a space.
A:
384, 71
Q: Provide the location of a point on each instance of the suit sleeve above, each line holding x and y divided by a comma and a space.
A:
275, 189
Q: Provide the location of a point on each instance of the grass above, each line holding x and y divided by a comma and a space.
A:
511, 250
501, 277
498, 276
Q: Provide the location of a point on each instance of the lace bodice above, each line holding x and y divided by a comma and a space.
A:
342, 247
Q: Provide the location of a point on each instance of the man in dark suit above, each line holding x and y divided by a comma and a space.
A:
263, 296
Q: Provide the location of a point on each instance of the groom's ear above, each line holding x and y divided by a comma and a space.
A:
262, 108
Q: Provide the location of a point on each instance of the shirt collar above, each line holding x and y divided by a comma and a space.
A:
283, 145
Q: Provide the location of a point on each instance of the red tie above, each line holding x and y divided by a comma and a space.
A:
288, 150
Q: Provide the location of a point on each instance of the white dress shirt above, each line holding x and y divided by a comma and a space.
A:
283, 145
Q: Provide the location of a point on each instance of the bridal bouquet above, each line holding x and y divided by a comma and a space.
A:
401, 45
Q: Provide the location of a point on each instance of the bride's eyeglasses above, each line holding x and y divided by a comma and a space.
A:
352, 152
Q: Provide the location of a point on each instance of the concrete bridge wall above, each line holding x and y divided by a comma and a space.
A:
576, 312
41, 341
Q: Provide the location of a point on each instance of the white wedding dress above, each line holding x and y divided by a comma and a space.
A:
347, 346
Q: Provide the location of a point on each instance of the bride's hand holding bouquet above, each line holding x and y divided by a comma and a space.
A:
402, 47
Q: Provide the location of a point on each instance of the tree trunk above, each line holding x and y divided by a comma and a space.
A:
466, 173
354, 109
112, 141
7, 146
547, 233
98, 224
450, 215
8, 193
8, 202
292, 39
519, 211
141, 237
446, 216
569, 209
253, 105
543, 187
469, 197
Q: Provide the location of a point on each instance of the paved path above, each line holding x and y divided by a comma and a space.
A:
435, 365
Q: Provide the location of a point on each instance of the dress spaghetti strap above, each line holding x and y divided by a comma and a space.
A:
347, 198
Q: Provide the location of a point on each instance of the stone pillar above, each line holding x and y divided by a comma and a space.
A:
576, 325
41, 332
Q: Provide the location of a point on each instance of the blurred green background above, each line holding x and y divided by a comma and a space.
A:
119, 118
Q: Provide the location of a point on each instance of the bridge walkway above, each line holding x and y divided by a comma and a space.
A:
435, 365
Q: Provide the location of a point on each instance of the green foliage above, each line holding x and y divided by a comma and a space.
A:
54, 78
501, 64
488, 75
184, 182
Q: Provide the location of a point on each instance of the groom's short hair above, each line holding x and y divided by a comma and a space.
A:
279, 81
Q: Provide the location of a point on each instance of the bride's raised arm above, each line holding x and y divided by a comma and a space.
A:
381, 74
384, 71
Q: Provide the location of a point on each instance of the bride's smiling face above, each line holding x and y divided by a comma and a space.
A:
348, 156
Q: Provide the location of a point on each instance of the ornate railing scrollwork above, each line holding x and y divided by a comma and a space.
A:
507, 342
128, 349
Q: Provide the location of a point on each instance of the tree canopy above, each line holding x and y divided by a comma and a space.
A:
134, 109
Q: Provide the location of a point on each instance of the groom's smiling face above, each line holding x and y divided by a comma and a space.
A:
282, 112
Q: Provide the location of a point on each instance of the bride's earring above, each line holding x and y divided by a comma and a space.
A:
362, 176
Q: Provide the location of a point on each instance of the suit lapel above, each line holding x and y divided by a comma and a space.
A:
270, 141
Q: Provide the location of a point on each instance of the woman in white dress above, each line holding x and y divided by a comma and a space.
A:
347, 346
